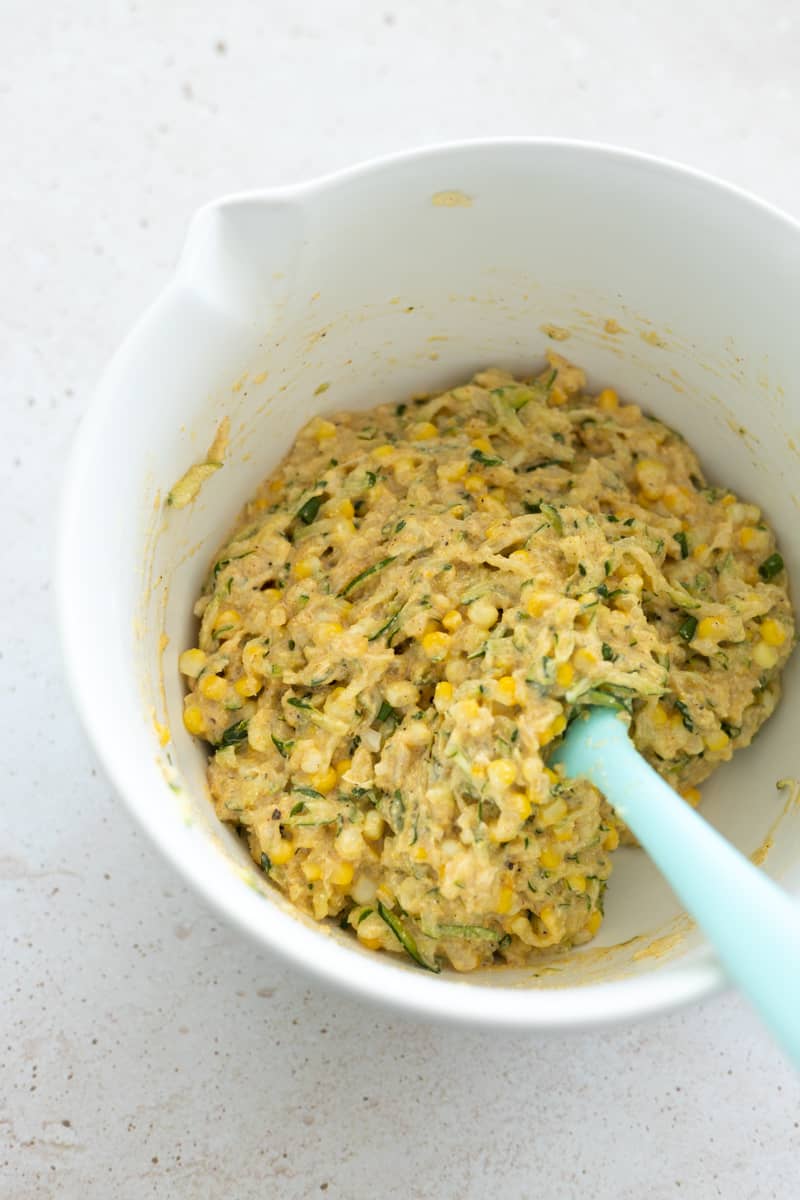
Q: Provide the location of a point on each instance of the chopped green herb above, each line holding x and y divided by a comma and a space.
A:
686, 716
362, 575
385, 712
405, 939
581, 569
478, 456
545, 462
553, 516
296, 702
298, 808
732, 731
372, 479
312, 793
283, 748
233, 735
362, 916
308, 512
688, 629
608, 653
682, 541
266, 865
771, 567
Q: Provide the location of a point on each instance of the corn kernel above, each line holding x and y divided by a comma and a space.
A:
227, 620
765, 655
442, 695
565, 832
556, 726
565, 673
482, 613
312, 871
325, 631
556, 396
608, 400
550, 859
191, 662
728, 500
371, 943
700, 550
691, 795
594, 922
501, 772
483, 444
747, 536
469, 710
451, 472
505, 899
282, 853
346, 509
423, 431
213, 687
324, 781
373, 825
419, 853
436, 645
505, 690
343, 766
554, 812
548, 916
303, 568
342, 874
451, 620
248, 686
651, 476
194, 721
383, 453
584, 659
473, 484
711, 628
611, 840
772, 632
323, 430
577, 883
676, 499
716, 741
551, 775
659, 716
518, 804
537, 605
520, 557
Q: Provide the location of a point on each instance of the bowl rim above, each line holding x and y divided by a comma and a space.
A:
405, 989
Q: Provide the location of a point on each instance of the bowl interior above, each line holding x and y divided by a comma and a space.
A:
404, 277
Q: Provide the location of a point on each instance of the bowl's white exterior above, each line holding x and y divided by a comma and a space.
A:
361, 281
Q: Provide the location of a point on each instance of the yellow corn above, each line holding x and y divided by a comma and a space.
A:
282, 853
436, 645
651, 476
565, 832
552, 813
565, 673
717, 741
442, 695
450, 472
312, 871
325, 631
584, 659
482, 613
191, 662
228, 618
692, 795
342, 874
419, 853
577, 883
303, 568
676, 499
556, 726
343, 766
660, 716
501, 772
550, 859
383, 453
765, 655
535, 605
518, 803
451, 620
423, 431
772, 632
594, 922
505, 690
248, 685
556, 396
483, 444
548, 916
608, 400
747, 536
345, 508
521, 557
324, 430
373, 825
711, 628
504, 900
551, 775
474, 483
324, 781
469, 710
611, 840
213, 687
194, 721
371, 943
728, 500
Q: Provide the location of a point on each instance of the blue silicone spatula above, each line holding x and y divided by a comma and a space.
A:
753, 925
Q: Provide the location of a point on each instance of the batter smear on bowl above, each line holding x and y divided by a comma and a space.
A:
413, 608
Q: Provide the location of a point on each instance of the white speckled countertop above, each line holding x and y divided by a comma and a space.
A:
147, 1050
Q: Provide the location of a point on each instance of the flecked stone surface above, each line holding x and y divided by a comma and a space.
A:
147, 1050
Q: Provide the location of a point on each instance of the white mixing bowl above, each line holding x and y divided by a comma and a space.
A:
403, 275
